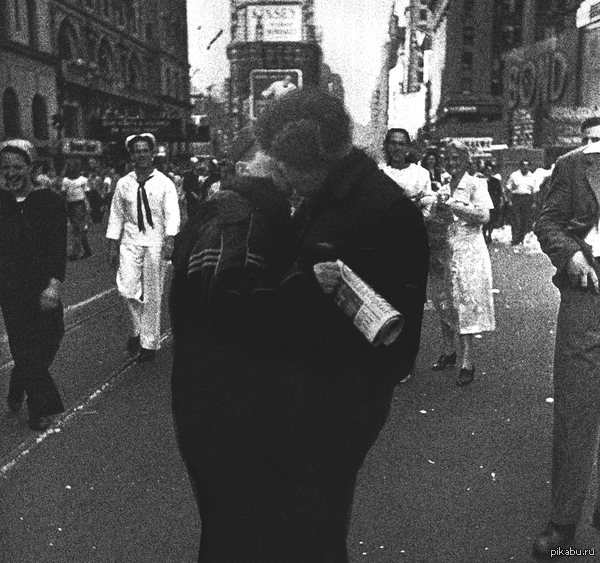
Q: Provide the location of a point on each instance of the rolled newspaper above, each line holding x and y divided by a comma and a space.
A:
374, 317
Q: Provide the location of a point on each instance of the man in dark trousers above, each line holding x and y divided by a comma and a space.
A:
568, 231
33, 257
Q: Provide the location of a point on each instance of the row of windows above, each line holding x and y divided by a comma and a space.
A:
115, 66
123, 12
468, 40
11, 116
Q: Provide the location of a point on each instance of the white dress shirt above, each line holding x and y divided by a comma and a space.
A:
164, 207
522, 184
415, 182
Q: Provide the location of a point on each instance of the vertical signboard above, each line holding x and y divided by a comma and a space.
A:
267, 85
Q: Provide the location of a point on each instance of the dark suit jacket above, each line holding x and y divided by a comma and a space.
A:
571, 208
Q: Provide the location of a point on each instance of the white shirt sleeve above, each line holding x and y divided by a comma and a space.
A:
171, 207
116, 218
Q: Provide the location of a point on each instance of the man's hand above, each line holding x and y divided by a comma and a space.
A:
328, 275
581, 273
167, 250
50, 297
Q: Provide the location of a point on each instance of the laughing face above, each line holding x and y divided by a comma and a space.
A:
16, 172
397, 148
142, 155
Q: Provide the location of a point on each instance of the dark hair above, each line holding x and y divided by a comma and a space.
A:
590, 122
305, 128
393, 130
436, 175
17, 150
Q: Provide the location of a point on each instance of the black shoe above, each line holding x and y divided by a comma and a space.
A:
40, 423
146, 355
14, 405
133, 344
553, 538
465, 376
444, 361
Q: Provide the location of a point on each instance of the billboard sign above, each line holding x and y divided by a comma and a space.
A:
267, 85
274, 22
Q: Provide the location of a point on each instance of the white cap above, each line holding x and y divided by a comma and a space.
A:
140, 137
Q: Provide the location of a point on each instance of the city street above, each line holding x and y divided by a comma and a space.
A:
458, 475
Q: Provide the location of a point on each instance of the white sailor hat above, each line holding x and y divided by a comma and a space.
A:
22, 146
140, 137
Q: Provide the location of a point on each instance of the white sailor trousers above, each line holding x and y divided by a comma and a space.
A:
140, 280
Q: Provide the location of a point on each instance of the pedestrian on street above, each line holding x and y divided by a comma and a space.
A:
521, 188
33, 257
432, 162
461, 284
74, 188
144, 219
413, 179
568, 232
277, 397
495, 190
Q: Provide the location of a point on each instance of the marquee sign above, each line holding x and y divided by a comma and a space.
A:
81, 147
274, 22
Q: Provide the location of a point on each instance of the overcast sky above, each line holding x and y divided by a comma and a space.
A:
353, 34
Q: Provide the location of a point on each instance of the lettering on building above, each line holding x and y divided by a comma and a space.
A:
539, 81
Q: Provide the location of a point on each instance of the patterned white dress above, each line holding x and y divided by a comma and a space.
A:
461, 285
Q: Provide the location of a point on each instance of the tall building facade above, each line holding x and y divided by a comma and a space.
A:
468, 39
106, 68
269, 42
27, 72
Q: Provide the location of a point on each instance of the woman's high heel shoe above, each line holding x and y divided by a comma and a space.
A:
444, 361
465, 376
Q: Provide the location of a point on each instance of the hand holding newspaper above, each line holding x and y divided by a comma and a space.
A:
374, 317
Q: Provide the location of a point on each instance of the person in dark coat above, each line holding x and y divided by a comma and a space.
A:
278, 399
495, 191
33, 257
567, 230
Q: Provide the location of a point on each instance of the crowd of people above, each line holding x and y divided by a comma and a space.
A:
277, 398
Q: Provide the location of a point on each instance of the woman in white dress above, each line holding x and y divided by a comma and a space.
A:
461, 282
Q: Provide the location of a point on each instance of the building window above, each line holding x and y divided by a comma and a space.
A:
467, 61
469, 7
17, 12
133, 73
468, 35
66, 42
40, 118
104, 58
466, 83
11, 113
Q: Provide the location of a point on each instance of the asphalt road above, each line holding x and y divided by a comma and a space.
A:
458, 475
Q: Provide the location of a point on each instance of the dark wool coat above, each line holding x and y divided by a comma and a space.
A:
33, 240
274, 431
570, 210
